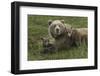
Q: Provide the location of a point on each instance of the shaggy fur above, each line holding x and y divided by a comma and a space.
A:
58, 30
78, 35
47, 46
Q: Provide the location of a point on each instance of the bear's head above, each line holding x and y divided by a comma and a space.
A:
56, 28
71, 31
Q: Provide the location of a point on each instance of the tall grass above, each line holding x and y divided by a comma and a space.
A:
38, 27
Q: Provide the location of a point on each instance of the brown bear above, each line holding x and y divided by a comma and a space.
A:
48, 47
58, 30
78, 35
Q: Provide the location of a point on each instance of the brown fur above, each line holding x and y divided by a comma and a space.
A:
61, 39
79, 36
48, 47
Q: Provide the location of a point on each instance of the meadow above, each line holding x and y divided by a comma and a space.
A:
38, 28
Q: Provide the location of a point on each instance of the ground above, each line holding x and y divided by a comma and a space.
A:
38, 27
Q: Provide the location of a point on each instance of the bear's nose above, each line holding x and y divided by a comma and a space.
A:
57, 30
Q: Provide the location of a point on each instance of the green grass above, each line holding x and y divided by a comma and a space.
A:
38, 27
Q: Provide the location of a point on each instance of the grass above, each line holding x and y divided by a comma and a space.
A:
38, 27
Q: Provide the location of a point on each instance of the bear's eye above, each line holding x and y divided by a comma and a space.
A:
54, 26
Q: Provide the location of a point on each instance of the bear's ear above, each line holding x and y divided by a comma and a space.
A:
49, 22
62, 21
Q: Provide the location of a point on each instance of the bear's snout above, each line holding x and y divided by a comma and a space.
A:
57, 30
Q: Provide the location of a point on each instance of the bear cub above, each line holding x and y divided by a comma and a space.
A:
47, 46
